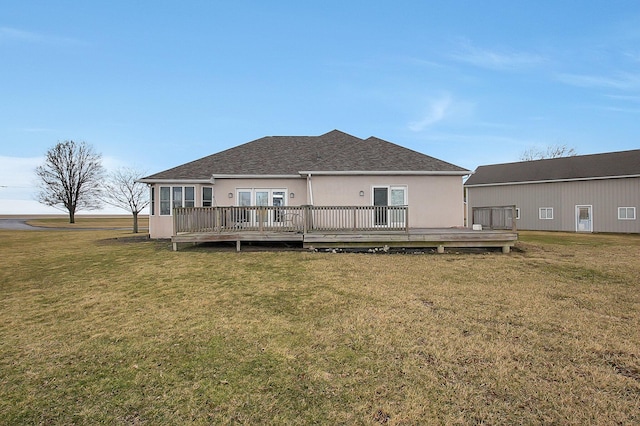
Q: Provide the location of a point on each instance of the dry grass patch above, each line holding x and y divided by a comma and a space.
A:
95, 331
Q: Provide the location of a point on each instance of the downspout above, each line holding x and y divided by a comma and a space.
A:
310, 188
466, 208
152, 205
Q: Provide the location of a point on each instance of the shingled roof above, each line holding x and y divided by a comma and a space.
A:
335, 151
580, 167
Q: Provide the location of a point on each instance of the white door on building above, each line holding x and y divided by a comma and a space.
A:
260, 197
584, 219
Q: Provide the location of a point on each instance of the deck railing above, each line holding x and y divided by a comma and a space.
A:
495, 217
302, 219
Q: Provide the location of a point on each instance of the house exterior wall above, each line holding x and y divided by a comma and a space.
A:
604, 195
434, 201
161, 226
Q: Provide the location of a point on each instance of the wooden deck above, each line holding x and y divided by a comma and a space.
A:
416, 238
325, 227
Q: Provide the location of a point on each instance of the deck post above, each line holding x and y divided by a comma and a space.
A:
506, 249
306, 219
175, 222
238, 246
440, 249
355, 219
406, 219
175, 246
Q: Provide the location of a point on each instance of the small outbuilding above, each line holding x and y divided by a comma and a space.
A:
584, 193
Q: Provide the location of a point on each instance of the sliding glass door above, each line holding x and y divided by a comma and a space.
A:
262, 197
385, 196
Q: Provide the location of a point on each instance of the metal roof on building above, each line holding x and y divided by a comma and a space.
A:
579, 167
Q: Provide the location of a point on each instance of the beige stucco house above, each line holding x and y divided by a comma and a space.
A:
334, 169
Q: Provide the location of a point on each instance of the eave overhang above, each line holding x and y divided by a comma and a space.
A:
152, 181
385, 173
551, 181
247, 176
305, 173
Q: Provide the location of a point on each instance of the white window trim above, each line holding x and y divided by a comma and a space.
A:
269, 190
389, 188
184, 196
161, 201
202, 189
171, 190
546, 210
633, 209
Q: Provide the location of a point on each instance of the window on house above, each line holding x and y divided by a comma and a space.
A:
176, 196
517, 212
165, 200
207, 197
546, 212
626, 213
189, 196
176, 192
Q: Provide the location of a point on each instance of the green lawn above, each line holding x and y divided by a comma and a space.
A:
100, 327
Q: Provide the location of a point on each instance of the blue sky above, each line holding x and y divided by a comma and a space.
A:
154, 84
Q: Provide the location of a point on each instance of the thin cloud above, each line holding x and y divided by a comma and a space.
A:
628, 98
36, 130
634, 56
7, 33
437, 111
13, 34
18, 171
625, 110
494, 59
447, 108
622, 81
478, 139
425, 62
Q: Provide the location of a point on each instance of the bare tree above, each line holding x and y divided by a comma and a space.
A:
70, 178
123, 190
551, 151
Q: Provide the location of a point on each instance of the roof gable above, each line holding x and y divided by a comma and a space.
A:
580, 167
335, 151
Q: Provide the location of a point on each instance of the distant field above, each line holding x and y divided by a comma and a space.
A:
101, 327
89, 221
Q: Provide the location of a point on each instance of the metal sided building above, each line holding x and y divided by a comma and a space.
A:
585, 193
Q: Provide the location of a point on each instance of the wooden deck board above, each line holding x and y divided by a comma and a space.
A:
418, 237
202, 237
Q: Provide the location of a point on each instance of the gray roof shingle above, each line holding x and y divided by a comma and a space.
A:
335, 151
611, 164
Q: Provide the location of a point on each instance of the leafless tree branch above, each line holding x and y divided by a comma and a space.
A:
122, 190
71, 178
551, 151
